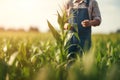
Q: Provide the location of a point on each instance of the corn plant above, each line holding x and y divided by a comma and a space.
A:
60, 36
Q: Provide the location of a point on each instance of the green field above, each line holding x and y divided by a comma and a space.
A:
44, 56
38, 56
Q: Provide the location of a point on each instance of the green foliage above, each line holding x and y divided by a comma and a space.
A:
37, 56
3, 70
32, 58
61, 36
55, 33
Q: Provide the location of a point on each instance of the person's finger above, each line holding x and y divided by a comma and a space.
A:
83, 24
86, 21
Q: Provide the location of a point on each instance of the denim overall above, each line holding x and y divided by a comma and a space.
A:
84, 33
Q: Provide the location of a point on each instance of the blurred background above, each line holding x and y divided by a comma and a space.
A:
26, 53
32, 14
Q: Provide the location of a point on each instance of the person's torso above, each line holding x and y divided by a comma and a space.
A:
81, 4
79, 13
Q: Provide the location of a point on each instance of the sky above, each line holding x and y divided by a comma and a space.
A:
25, 13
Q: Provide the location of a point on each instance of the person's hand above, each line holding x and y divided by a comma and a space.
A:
66, 25
86, 23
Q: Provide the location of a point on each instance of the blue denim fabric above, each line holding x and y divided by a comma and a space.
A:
84, 33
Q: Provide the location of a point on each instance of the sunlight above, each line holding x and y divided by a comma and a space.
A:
25, 13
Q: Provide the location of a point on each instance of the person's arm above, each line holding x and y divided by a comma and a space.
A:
96, 16
87, 23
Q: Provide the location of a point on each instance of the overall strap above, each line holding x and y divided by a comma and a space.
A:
87, 3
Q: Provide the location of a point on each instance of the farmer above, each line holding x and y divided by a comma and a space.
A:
85, 13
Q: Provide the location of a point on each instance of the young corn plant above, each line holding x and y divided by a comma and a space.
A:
60, 36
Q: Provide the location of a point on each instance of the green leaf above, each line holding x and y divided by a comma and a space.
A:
3, 69
76, 35
12, 58
60, 21
56, 35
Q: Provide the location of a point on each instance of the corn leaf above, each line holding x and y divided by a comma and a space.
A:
56, 35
